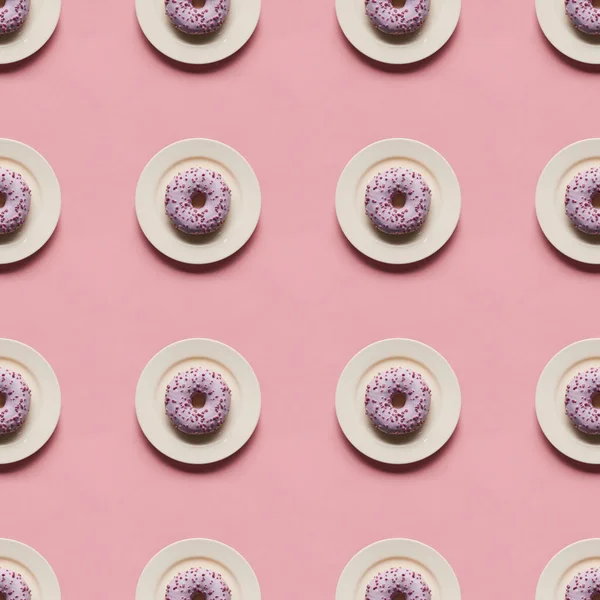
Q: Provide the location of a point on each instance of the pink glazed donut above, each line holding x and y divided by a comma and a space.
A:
396, 21
13, 586
12, 15
181, 211
393, 582
578, 401
578, 201
18, 200
197, 21
584, 15
17, 401
189, 584
378, 201
584, 586
179, 396
378, 401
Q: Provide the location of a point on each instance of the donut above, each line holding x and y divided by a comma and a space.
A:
584, 15
182, 189
584, 586
179, 401
396, 21
190, 583
17, 201
578, 401
378, 401
393, 582
12, 15
379, 195
578, 201
13, 586
17, 400
197, 21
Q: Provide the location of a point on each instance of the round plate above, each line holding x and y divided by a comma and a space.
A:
445, 201
396, 553
45, 401
573, 559
32, 566
243, 214
563, 35
35, 32
402, 49
445, 401
240, 422
199, 553
550, 201
45, 201
550, 401
198, 49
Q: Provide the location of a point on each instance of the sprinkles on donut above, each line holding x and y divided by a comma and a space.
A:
13, 586
578, 201
397, 21
389, 584
193, 582
584, 586
578, 401
17, 200
197, 21
12, 15
16, 397
584, 15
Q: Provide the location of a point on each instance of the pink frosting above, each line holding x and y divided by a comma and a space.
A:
18, 200
17, 401
397, 21
186, 585
12, 15
197, 21
13, 586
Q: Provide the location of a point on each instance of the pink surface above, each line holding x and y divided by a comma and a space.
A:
298, 103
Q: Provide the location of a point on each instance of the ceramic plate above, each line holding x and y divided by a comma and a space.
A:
199, 553
397, 553
201, 49
445, 201
445, 401
35, 32
243, 214
241, 420
550, 201
401, 49
573, 559
550, 401
32, 566
563, 35
45, 201
45, 401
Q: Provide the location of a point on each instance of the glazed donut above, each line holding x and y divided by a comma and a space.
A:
18, 200
12, 15
389, 19
17, 400
584, 586
197, 21
179, 195
188, 584
391, 583
180, 393
578, 201
578, 401
13, 586
378, 401
379, 195
584, 15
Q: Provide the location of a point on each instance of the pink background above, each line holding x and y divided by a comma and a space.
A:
298, 102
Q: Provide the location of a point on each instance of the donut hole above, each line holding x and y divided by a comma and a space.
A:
2, 594
198, 4
398, 4
398, 200
2, 3
198, 200
399, 596
196, 596
596, 196
199, 400
596, 596
398, 399
596, 4
2, 194
596, 404
2, 404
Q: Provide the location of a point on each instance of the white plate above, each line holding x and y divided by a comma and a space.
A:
445, 201
402, 49
443, 414
35, 32
571, 560
45, 201
563, 35
243, 414
397, 553
243, 214
201, 49
550, 401
32, 566
45, 401
550, 201
199, 553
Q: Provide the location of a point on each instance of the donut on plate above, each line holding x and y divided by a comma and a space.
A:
397, 21
578, 201
13, 586
193, 582
578, 401
17, 200
379, 201
584, 586
398, 582
584, 15
197, 21
379, 401
12, 15
16, 396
